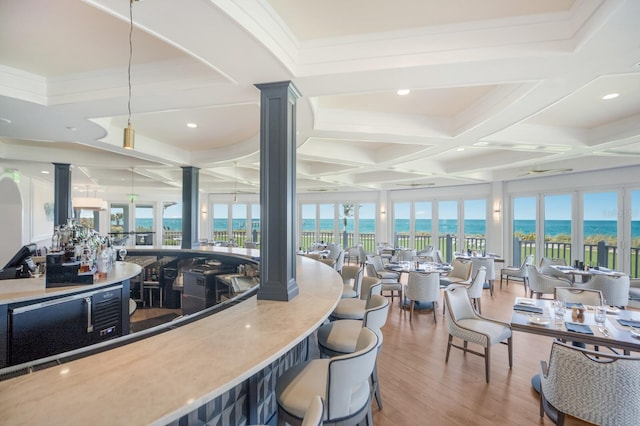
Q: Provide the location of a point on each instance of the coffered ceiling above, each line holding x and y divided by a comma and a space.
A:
499, 90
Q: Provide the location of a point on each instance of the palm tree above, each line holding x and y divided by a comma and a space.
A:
347, 212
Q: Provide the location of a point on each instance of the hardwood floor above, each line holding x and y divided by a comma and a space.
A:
418, 388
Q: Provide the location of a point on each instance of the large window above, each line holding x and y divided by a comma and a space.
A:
255, 223
423, 232
239, 224
144, 225
557, 227
524, 228
327, 223
221, 222
171, 223
600, 229
119, 224
402, 224
635, 234
448, 227
366, 216
475, 225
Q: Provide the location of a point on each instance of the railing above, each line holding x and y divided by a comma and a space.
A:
171, 238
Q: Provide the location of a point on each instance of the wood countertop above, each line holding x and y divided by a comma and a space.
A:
159, 379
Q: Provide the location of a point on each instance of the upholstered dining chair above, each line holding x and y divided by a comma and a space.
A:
517, 273
339, 261
340, 337
547, 263
390, 282
489, 265
578, 295
467, 325
353, 308
474, 290
598, 387
405, 255
315, 412
540, 284
460, 273
422, 288
352, 279
615, 289
341, 381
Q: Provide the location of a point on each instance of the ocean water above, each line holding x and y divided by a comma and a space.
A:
447, 226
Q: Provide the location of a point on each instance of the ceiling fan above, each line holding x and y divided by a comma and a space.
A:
540, 171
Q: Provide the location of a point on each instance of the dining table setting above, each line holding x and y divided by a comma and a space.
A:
606, 326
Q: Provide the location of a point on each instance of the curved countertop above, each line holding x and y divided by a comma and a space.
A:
25, 289
159, 379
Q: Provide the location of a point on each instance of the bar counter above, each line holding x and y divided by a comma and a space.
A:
172, 377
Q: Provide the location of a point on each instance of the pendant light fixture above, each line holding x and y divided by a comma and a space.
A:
235, 180
129, 133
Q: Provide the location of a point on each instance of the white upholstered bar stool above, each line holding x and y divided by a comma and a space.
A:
340, 337
352, 279
353, 308
342, 382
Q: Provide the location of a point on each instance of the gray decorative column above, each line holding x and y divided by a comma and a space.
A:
190, 204
62, 193
277, 191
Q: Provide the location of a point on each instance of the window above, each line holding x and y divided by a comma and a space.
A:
448, 228
171, 223
221, 222
327, 214
475, 225
119, 224
255, 222
144, 225
239, 223
422, 225
600, 229
402, 224
557, 227
308, 225
366, 217
635, 234
524, 228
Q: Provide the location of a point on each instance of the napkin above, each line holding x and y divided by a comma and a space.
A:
630, 323
578, 328
527, 308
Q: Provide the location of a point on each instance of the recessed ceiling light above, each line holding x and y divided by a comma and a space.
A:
192, 125
403, 92
610, 96
460, 149
44, 172
481, 143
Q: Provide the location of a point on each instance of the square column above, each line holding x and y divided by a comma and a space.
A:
277, 191
190, 204
62, 193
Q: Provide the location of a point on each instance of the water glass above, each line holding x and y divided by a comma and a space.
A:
600, 315
559, 310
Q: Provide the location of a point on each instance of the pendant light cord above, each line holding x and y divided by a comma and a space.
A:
130, 55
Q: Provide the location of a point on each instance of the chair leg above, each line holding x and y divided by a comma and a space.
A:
435, 319
501, 281
487, 359
448, 348
510, 349
413, 303
376, 385
466, 345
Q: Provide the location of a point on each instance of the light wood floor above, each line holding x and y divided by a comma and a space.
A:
418, 388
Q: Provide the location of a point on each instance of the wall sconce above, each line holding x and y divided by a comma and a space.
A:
204, 212
383, 212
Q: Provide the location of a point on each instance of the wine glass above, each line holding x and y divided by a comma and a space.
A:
122, 253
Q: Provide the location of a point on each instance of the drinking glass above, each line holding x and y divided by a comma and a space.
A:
559, 310
601, 315
122, 253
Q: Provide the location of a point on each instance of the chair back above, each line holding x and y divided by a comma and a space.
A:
527, 261
488, 264
339, 261
578, 295
348, 380
353, 272
376, 261
315, 412
615, 290
437, 256
405, 255
475, 289
458, 304
423, 287
375, 316
598, 387
546, 264
461, 269
369, 287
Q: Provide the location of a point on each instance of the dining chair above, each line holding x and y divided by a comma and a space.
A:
634, 292
390, 279
489, 265
422, 288
547, 263
460, 273
474, 290
340, 337
597, 387
315, 412
540, 284
467, 325
517, 273
578, 295
341, 381
615, 289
